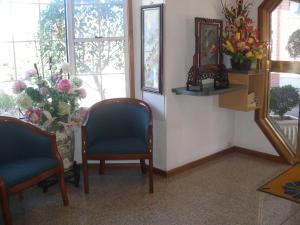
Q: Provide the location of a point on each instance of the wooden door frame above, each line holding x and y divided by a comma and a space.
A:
261, 119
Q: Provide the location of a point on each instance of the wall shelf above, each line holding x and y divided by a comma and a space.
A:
248, 99
208, 90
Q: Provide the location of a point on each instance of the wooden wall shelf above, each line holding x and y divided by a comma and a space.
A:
208, 90
245, 100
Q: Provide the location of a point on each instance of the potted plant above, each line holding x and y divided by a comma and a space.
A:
51, 102
240, 36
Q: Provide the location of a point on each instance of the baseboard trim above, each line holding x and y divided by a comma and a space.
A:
258, 154
198, 162
195, 163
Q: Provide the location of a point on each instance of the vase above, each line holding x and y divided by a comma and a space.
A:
65, 145
237, 65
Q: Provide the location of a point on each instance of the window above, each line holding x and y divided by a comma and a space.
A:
90, 34
279, 115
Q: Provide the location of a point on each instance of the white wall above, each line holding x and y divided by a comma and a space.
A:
247, 134
187, 128
196, 126
156, 101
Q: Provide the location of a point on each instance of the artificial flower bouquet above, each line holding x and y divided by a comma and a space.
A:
49, 101
240, 36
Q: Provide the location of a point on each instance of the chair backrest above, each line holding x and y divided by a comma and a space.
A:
118, 118
21, 140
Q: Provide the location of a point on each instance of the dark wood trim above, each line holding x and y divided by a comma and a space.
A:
264, 27
261, 155
33, 181
212, 157
118, 156
199, 162
130, 48
5, 203
196, 163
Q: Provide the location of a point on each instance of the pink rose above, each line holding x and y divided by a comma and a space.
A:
30, 73
18, 86
33, 115
82, 93
63, 85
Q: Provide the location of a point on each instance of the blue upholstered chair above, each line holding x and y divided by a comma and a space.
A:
28, 155
117, 129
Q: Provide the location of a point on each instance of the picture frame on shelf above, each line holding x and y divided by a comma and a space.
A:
209, 41
152, 48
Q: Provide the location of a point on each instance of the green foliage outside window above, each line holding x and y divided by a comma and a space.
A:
293, 45
6, 102
90, 21
283, 99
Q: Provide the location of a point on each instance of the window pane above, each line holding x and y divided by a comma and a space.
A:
87, 57
36, 31
25, 21
7, 70
100, 57
113, 57
284, 105
86, 23
99, 19
285, 39
102, 87
7, 106
5, 15
27, 55
93, 87
114, 86
52, 23
112, 18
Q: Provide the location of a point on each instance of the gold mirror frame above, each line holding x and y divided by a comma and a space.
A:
264, 12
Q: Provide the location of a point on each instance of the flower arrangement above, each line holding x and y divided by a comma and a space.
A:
240, 36
49, 102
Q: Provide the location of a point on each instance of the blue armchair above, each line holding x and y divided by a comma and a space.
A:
28, 155
117, 129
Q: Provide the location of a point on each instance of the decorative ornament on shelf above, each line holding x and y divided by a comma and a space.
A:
51, 103
240, 36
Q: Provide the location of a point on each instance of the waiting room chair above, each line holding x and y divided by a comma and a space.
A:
28, 155
118, 129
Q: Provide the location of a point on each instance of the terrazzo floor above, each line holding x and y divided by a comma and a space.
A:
220, 192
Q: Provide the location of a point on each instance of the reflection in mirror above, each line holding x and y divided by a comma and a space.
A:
283, 109
285, 31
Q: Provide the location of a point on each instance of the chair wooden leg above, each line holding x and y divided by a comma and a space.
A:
143, 166
150, 175
62, 186
5, 204
102, 167
85, 175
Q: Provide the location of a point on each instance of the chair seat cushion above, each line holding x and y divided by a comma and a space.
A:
118, 146
18, 171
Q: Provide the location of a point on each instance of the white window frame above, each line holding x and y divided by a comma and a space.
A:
71, 41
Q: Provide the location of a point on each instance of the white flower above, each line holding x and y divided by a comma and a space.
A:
24, 101
63, 108
65, 67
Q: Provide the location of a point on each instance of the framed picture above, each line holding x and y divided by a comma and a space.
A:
152, 45
208, 41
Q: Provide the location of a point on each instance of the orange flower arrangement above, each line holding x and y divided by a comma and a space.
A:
240, 36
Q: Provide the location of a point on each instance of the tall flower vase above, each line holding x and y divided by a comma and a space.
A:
65, 145
237, 65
